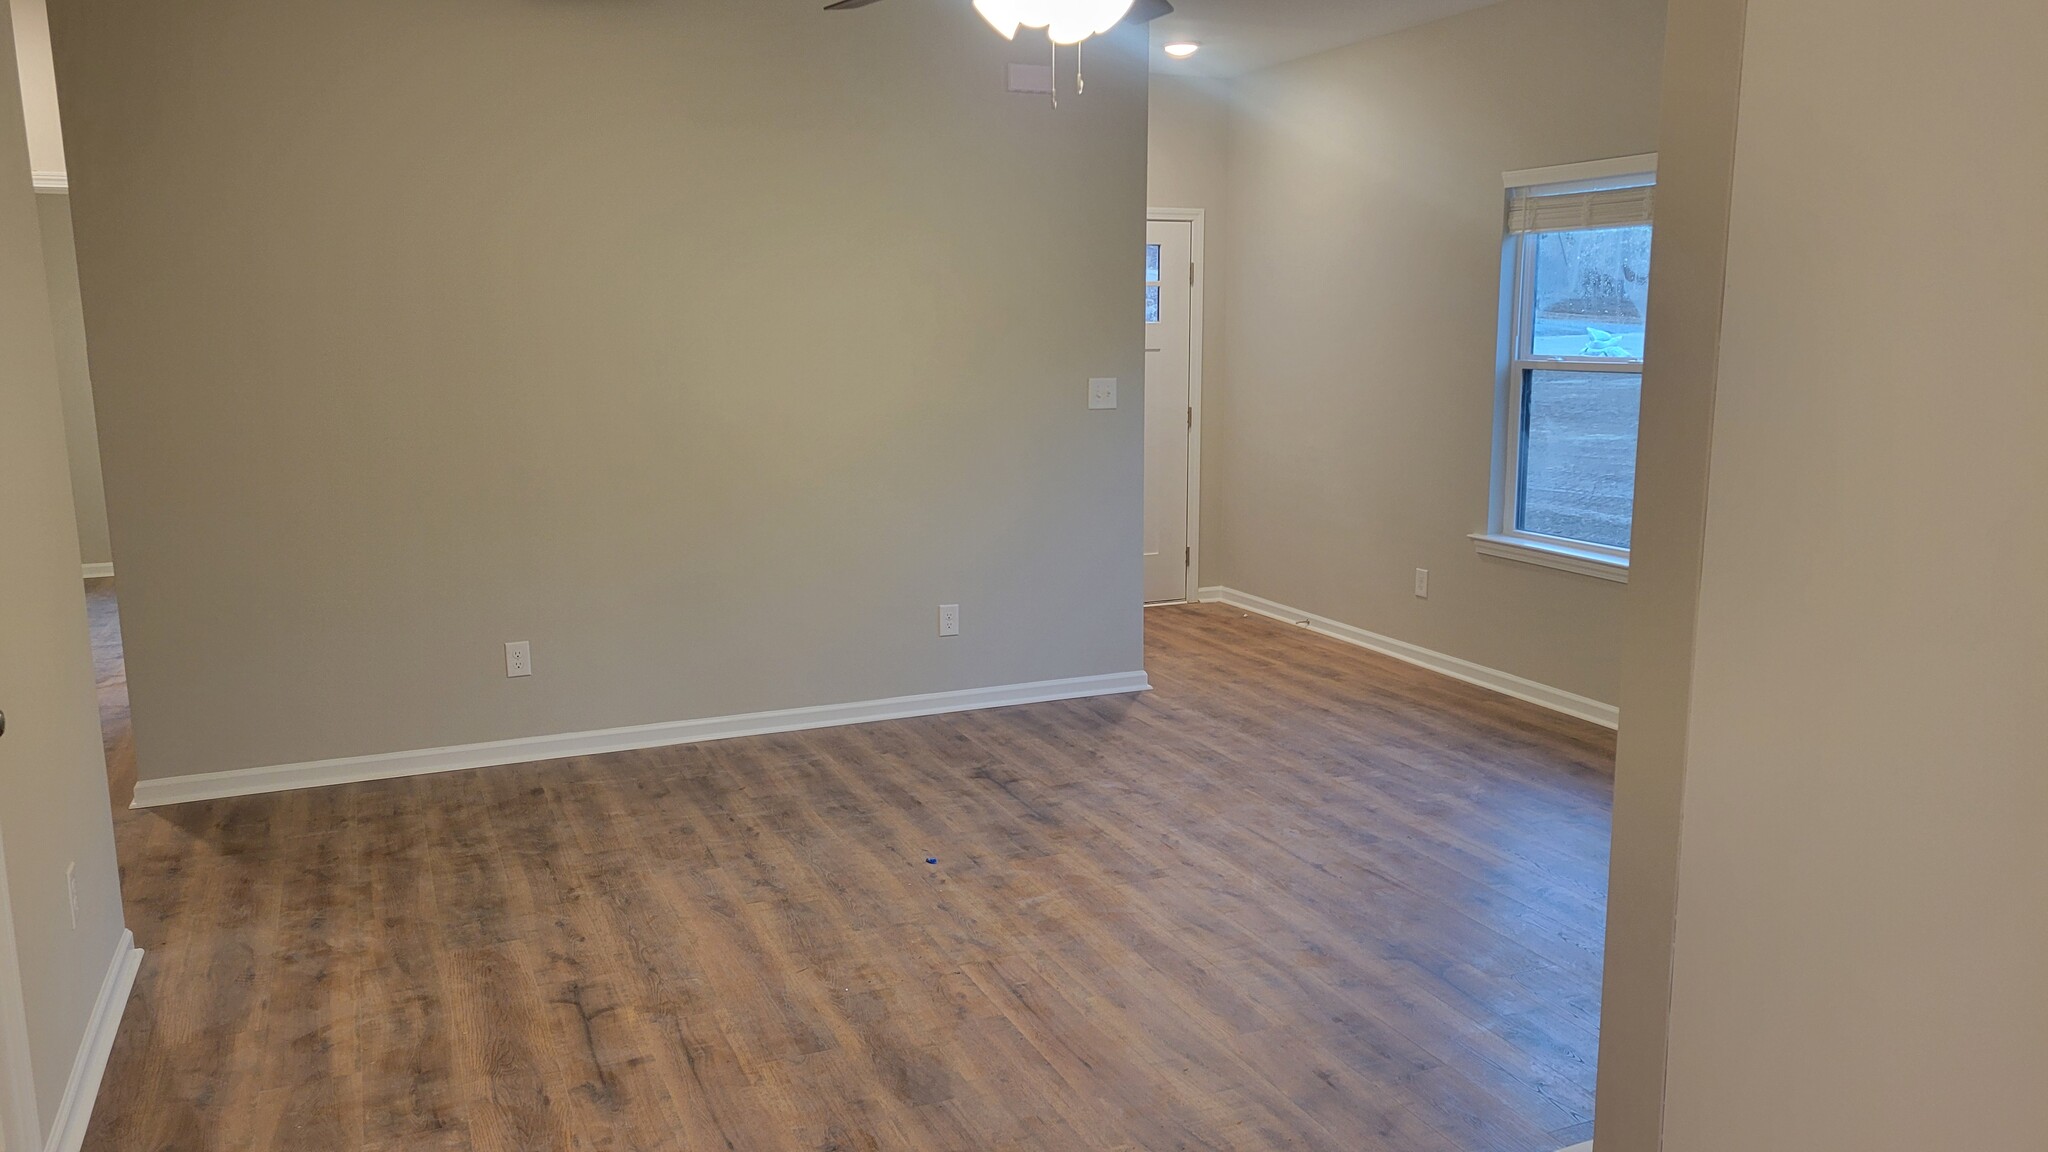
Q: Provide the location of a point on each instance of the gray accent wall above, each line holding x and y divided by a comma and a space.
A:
708, 346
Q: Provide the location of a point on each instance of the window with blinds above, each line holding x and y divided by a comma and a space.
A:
1578, 243
1534, 210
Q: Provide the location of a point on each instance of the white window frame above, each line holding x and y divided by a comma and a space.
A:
1503, 538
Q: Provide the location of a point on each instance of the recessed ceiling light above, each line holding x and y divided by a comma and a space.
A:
1182, 51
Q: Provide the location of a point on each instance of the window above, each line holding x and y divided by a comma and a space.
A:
1578, 254
1152, 283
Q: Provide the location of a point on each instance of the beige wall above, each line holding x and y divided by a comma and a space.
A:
53, 789
46, 156
1188, 167
81, 428
708, 347
1365, 204
38, 85
1863, 875
1702, 75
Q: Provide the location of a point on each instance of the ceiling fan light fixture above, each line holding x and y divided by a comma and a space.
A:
1065, 21
1182, 50
1005, 16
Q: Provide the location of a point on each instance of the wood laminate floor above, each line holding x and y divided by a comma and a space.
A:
1300, 897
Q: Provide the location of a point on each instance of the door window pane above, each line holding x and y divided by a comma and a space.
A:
1151, 283
1578, 477
1592, 291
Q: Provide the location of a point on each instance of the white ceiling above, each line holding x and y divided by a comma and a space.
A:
1239, 36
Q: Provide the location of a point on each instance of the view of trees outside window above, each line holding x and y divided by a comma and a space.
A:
1578, 458
1579, 455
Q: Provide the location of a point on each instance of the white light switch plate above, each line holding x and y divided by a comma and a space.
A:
1102, 394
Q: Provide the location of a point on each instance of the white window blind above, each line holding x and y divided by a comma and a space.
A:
1529, 210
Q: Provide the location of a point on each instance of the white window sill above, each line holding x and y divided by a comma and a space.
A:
1562, 557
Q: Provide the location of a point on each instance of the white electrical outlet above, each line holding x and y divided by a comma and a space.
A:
71, 889
1102, 393
949, 619
519, 658
1422, 583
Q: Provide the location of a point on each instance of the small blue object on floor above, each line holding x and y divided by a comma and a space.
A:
931, 859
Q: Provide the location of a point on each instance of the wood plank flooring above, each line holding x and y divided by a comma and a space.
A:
1299, 897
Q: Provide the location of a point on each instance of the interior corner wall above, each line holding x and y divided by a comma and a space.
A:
1188, 167
1862, 913
708, 347
74, 378
54, 812
33, 63
1702, 82
1352, 441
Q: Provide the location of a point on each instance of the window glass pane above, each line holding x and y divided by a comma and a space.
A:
1152, 263
1592, 291
1151, 303
1579, 455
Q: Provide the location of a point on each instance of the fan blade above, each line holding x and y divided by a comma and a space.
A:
845, 5
1146, 11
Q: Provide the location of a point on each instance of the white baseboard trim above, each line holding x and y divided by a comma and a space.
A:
1506, 683
1586, 1147
74, 1110
426, 761
99, 571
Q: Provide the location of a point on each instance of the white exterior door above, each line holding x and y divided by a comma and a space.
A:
1169, 359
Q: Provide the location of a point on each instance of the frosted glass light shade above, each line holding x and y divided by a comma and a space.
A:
1064, 21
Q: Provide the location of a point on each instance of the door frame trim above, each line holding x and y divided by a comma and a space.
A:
1198, 217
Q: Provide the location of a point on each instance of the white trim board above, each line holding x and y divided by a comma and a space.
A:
51, 183
426, 761
74, 1110
1560, 557
1586, 1147
1590, 170
1506, 683
100, 571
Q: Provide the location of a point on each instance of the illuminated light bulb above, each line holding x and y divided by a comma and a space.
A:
1182, 51
1065, 21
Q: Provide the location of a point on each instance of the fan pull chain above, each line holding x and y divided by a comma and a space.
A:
1080, 81
1055, 77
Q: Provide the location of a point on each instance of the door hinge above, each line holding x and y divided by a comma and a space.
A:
1191, 274
1191, 417
1188, 557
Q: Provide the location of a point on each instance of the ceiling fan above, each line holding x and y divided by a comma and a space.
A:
1064, 21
